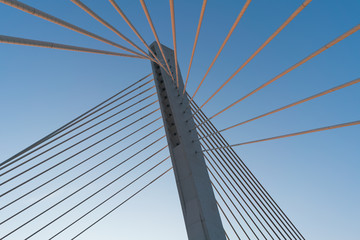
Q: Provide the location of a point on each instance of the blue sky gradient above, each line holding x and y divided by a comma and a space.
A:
314, 178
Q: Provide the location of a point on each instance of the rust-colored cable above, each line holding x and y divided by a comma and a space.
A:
292, 16
108, 25
300, 133
155, 35
233, 181
43, 44
172, 13
223, 44
314, 54
250, 188
122, 14
36, 12
195, 41
248, 174
296, 103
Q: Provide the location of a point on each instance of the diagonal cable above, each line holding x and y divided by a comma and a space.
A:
232, 182
66, 126
296, 133
155, 35
122, 14
312, 55
107, 199
43, 44
108, 25
79, 189
64, 150
36, 12
195, 41
247, 3
269, 208
292, 16
249, 175
82, 162
105, 215
172, 13
83, 131
97, 192
347, 84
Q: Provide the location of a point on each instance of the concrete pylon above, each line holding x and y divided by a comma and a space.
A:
201, 215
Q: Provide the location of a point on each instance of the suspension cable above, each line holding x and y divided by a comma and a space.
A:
227, 195
121, 203
59, 163
64, 150
172, 13
107, 199
241, 165
202, 132
122, 14
232, 213
296, 134
85, 130
247, 3
108, 25
195, 42
84, 161
36, 12
87, 171
228, 220
79, 189
69, 124
292, 16
98, 191
44, 44
252, 187
296, 103
255, 195
312, 55
155, 35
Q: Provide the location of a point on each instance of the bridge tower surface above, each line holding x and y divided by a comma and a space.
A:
201, 215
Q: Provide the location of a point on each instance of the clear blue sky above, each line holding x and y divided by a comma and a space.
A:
314, 178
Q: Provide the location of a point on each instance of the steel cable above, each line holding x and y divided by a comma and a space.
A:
239, 195
242, 11
292, 16
79, 189
71, 123
40, 163
250, 188
105, 215
80, 163
93, 194
107, 199
195, 42
312, 55
255, 183
108, 25
122, 14
36, 12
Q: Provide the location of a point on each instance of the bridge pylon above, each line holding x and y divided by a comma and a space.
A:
201, 215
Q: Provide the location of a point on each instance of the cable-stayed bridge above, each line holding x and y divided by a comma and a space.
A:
66, 183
